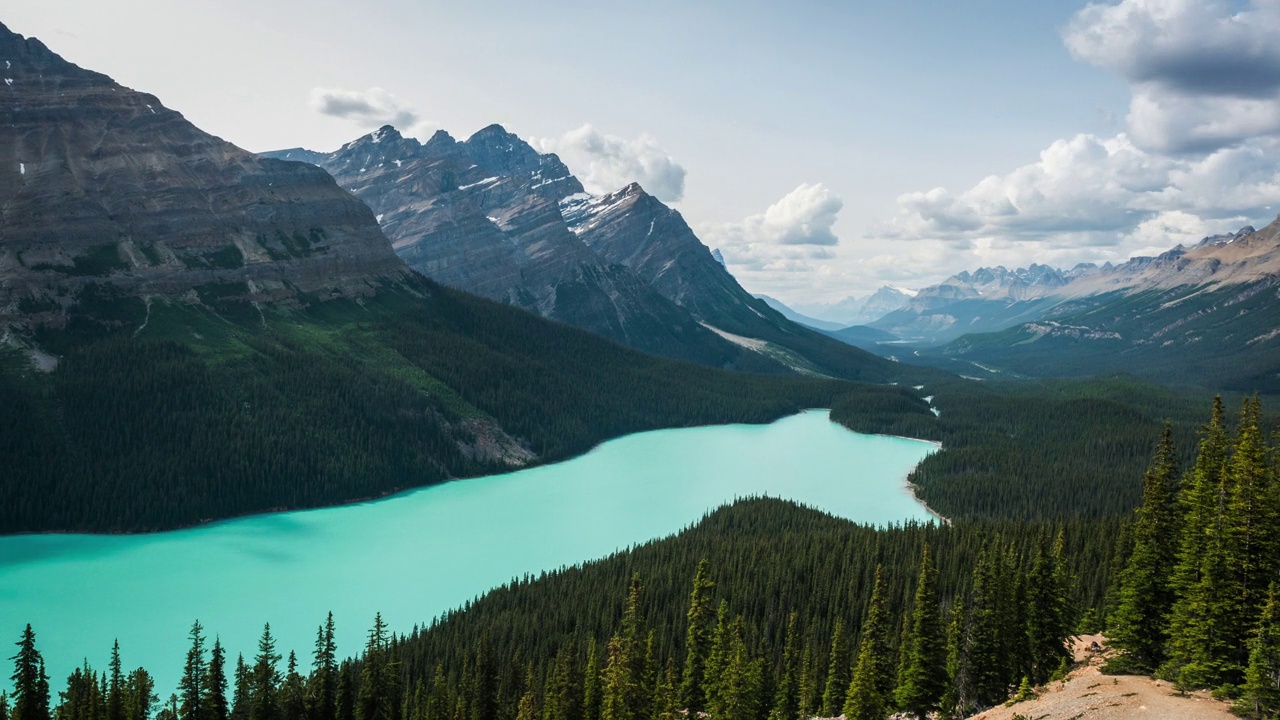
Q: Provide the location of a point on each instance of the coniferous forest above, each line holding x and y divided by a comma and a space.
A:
766, 610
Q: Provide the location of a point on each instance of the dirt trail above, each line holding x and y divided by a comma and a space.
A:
1088, 694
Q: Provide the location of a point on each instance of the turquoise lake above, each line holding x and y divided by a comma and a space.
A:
420, 553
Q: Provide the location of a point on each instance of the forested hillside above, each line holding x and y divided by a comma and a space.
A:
162, 414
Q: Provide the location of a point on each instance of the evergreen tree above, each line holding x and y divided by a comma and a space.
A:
439, 702
191, 693
293, 692
30, 683
591, 691
839, 667
667, 695
1252, 528
981, 659
1193, 639
808, 689
1146, 594
1048, 614
955, 701
736, 694
377, 696
528, 708
215, 684
697, 640
1261, 692
264, 679
564, 693
243, 691
483, 684
322, 685
115, 686
869, 690
924, 679
616, 690
4, 705
139, 695
786, 701
718, 655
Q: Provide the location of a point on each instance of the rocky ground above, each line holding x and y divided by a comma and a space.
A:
1087, 693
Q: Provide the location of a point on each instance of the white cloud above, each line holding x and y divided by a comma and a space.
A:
784, 245
371, 109
1204, 74
1090, 192
605, 163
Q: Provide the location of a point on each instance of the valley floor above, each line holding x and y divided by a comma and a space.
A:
1087, 693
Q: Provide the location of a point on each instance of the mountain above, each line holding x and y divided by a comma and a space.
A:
985, 300
862, 336
101, 186
190, 332
861, 309
1203, 315
794, 316
482, 216
492, 216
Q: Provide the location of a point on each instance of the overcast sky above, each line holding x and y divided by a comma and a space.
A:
826, 148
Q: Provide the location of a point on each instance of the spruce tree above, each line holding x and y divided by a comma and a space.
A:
616, 691
1193, 640
839, 667
293, 692
564, 693
697, 641
808, 689
115, 686
30, 683
243, 699
925, 677
869, 692
591, 691
1261, 692
1047, 606
264, 679
982, 660
955, 701
786, 701
139, 695
528, 707
718, 654
215, 684
1139, 625
191, 694
736, 693
322, 685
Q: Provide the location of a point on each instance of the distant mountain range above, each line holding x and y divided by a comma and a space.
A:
1204, 315
492, 216
859, 310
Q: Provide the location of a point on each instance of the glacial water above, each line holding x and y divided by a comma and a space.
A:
420, 553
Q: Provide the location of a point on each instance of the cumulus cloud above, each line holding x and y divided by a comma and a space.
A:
1091, 192
1204, 74
605, 163
370, 109
788, 242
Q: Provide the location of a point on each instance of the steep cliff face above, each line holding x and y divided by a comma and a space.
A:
100, 184
484, 216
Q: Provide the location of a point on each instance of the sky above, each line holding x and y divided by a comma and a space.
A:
827, 148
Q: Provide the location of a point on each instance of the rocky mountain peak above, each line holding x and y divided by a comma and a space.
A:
494, 148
